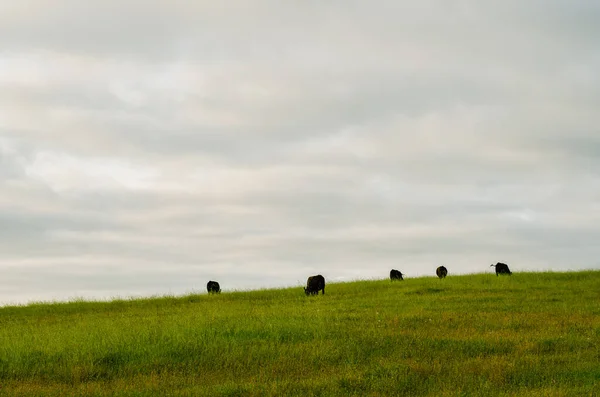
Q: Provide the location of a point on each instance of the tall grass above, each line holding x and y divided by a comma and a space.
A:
534, 334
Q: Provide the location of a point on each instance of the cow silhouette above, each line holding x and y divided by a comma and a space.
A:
441, 272
395, 275
314, 284
502, 268
213, 287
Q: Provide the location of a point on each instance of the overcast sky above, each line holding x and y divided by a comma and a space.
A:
147, 147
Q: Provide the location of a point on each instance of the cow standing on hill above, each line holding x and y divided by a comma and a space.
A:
502, 268
213, 287
395, 275
314, 284
441, 272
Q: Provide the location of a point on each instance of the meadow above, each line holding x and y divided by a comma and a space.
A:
529, 334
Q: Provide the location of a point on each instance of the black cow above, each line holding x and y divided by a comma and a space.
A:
502, 268
395, 275
213, 287
441, 272
314, 284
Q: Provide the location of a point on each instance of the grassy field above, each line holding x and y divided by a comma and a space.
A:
530, 334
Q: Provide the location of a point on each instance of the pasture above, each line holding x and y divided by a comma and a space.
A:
529, 334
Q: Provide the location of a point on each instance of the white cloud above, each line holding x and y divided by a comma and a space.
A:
62, 172
148, 146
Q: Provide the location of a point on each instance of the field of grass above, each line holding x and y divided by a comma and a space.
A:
530, 334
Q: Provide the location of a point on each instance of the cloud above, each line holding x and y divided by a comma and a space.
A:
146, 147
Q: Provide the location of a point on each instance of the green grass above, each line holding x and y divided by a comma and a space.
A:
531, 334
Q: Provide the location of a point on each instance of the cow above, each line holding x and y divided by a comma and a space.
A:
395, 275
502, 268
213, 287
314, 284
441, 272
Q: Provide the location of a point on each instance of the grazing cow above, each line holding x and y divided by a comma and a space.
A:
441, 272
395, 275
213, 287
314, 284
502, 268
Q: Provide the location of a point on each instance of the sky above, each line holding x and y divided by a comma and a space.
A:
147, 147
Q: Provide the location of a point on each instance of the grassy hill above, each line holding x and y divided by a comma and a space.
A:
530, 334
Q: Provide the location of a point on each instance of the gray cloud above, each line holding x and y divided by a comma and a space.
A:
146, 147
